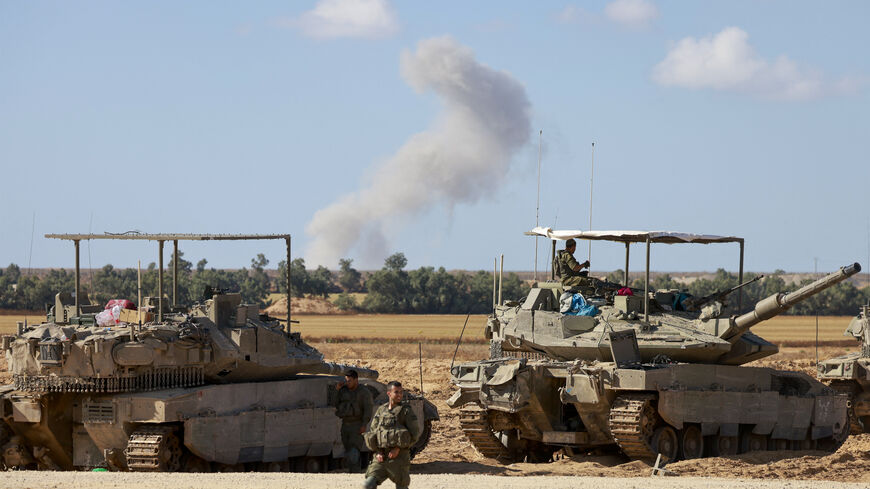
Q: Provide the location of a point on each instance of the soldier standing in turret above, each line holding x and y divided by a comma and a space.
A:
354, 407
567, 267
393, 431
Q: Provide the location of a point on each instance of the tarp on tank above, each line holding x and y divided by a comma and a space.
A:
668, 237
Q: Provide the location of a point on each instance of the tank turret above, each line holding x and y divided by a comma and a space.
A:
539, 326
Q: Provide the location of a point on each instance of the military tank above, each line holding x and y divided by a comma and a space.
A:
648, 372
214, 386
850, 373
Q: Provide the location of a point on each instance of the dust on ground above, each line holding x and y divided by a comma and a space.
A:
449, 451
303, 305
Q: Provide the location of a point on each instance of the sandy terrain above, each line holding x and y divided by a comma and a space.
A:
120, 480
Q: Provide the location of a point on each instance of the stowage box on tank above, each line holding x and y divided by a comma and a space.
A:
652, 373
217, 386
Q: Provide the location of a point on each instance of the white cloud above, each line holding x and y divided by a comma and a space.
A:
330, 19
728, 62
633, 13
572, 14
462, 157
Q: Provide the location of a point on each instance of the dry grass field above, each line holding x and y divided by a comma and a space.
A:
796, 330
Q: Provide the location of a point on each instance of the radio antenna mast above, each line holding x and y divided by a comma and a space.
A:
538, 202
591, 182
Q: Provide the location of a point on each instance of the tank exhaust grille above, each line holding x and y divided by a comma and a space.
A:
144, 380
98, 412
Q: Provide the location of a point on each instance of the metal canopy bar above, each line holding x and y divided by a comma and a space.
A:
169, 237
667, 237
175, 238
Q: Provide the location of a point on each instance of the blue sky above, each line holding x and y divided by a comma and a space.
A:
737, 118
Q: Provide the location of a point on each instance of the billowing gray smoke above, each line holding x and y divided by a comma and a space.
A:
462, 157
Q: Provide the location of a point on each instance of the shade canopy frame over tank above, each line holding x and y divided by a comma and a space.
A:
647, 237
175, 238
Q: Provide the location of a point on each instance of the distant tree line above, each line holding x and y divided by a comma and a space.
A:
392, 289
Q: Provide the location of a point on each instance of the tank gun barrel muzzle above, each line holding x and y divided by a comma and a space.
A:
778, 303
330, 368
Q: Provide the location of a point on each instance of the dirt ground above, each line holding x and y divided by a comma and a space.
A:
450, 453
122, 480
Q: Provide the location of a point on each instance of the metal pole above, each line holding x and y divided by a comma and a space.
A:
160, 282
174, 272
139, 304
627, 247
78, 277
591, 181
553, 260
646, 284
538, 202
288, 285
500, 273
740, 281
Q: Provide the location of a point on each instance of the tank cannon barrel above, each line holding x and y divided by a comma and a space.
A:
778, 303
330, 368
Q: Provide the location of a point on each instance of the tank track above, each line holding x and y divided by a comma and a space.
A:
849, 388
153, 448
477, 429
632, 419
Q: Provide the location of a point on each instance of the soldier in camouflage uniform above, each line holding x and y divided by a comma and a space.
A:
567, 268
354, 407
393, 431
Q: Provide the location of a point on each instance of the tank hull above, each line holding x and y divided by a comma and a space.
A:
536, 407
279, 425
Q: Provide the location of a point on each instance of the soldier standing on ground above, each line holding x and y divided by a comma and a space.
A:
393, 431
354, 407
567, 267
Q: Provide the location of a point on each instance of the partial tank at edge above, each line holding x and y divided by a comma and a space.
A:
850, 373
670, 385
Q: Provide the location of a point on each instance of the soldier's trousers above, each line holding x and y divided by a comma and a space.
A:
354, 444
397, 470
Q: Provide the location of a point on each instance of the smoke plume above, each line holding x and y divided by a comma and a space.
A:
463, 156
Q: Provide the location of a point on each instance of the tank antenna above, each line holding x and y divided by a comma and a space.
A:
538, 202
500, 274
139, 304
591, 182
816, 276
458, 342
494, 282
420, 350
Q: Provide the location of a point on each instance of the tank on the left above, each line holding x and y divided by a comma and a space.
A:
214, 386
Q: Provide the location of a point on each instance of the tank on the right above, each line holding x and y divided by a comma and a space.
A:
850, 373
650, 372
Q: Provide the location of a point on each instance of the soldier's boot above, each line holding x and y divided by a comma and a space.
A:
370, 483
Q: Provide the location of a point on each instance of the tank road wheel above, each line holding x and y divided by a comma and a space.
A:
423, 440
154, 448
777, 444
723, 445
5, 435
664, 442
750, 442
691, 442
314, 464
